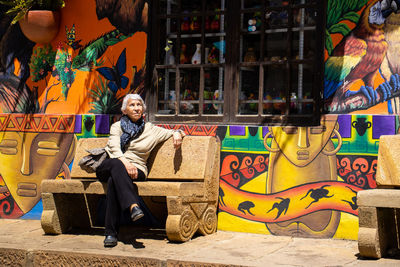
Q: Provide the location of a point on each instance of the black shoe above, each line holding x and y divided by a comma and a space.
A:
136, 213
110, 241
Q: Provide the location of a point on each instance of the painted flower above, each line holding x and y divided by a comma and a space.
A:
41, 71
66, 70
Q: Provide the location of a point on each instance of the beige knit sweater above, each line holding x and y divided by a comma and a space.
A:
138, 149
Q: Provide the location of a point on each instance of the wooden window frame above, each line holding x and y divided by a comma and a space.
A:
231, 66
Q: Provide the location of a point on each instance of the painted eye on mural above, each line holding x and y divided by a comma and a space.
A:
289, 130
8, 147
48, 148
317, 130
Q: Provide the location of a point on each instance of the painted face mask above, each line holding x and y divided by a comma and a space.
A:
27, 158
297, 156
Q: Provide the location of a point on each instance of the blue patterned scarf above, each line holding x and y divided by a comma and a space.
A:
131, 130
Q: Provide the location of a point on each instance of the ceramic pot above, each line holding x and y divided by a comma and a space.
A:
361, 125
196, 59
40, 26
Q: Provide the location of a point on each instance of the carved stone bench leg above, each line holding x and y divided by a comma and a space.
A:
378, 231
52, 222
208, 221
181, 228
368, 234
182, 222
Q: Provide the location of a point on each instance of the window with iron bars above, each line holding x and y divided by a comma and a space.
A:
236, 61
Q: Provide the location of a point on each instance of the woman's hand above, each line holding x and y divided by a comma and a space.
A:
130, 168
178, 135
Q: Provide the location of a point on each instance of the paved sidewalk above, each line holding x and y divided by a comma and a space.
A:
23, 243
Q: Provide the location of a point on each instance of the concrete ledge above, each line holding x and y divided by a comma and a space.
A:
25, 257
176, 263
23, 243
13, 257
384, 198
59, 258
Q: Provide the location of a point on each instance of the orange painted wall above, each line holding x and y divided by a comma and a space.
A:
82, 14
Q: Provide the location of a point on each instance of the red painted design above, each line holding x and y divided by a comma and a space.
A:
238, 169
357, 170
8, 207
197, 130
37, 123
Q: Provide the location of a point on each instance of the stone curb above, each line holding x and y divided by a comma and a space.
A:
32, 258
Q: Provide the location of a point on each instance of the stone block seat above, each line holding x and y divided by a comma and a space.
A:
181, 189
379, 209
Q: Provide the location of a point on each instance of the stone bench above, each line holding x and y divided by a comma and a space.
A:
181, 189
379, 209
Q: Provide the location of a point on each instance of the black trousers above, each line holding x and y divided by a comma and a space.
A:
121, 192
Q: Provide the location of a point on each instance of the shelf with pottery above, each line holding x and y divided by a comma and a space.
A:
279, 30
304, 100
214, 57
196, 35
171, 67
198, 101
275, 43
274, 61
276, 51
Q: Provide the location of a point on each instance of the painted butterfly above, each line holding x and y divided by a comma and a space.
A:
71, 35
115, 75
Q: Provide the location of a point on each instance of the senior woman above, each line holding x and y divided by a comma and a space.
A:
130, 143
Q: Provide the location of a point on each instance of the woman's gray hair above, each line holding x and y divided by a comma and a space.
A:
134, 97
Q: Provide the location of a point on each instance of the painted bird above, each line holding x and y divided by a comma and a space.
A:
390, 68
358, 56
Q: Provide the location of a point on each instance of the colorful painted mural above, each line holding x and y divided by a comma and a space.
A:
97, 57
299, 181
88, 69
85, 69
361, 73
284, 188
32, 148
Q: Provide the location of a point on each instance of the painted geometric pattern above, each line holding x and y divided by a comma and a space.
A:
99, 125
37, 123
198, 130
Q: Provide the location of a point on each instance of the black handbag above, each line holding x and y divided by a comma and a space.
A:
90, 162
